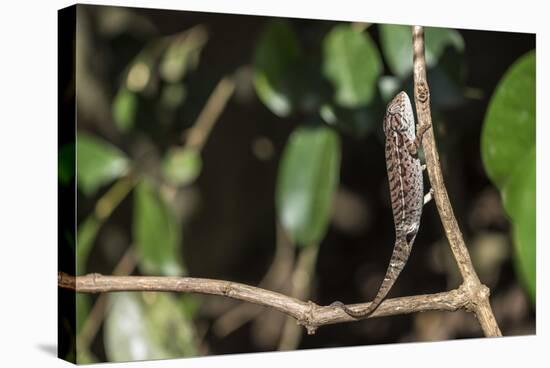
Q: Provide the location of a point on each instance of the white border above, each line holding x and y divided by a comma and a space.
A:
28, 182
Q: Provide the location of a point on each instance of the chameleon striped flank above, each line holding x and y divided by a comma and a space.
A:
406, 192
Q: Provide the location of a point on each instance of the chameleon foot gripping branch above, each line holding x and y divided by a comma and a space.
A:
406, 191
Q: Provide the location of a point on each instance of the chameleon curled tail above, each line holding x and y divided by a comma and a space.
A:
406, 191
397, 263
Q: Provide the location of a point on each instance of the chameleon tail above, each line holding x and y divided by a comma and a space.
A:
401, 251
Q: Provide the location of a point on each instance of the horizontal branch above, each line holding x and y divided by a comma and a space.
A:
308, 314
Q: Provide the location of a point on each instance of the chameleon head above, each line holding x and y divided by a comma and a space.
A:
399, 115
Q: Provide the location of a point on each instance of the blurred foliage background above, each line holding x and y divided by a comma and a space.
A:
250, 149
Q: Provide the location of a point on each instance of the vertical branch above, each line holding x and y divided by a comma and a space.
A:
422, 102
478, 293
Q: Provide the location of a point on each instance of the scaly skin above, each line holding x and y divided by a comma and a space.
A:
406, 191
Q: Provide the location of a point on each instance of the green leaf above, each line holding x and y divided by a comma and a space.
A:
519, 197
307, 178
182, 166
125, 107
352, 63
98, 163
518, 192
396, 42
277, 57
509, 126
156, 232
66, 163
147, 328
508, 146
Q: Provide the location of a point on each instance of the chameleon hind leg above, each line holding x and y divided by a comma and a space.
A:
428, 196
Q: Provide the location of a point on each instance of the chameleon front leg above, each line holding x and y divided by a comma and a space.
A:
414, 145
420, 131
428, 196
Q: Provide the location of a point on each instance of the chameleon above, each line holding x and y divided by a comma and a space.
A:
406, 191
